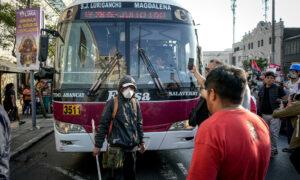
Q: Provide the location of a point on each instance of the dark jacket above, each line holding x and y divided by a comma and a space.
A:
4, 144
274, 94
127, 130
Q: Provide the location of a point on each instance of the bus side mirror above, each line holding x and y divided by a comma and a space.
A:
44, 43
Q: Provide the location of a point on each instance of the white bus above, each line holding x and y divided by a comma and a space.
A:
101, 41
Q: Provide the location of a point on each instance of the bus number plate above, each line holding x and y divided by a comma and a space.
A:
72, 109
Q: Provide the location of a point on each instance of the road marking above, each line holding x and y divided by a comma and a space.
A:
65, 172
182, 168
167, 171
69, 174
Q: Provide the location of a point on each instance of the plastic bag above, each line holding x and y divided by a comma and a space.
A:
113, 158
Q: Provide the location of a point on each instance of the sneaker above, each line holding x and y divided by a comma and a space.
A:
21, 122
286, 150
274, 153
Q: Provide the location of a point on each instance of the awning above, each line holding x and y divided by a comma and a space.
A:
8, 67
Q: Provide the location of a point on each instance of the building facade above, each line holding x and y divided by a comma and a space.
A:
258, 44
224, 56
291, 51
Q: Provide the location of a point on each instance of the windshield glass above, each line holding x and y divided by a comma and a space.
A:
168, 47
90, 47
87, 52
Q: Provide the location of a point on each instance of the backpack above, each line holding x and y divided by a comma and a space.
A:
199, 114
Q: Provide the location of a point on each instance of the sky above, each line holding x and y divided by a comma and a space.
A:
215, 19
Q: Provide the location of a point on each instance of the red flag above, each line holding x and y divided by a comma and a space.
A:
254, 62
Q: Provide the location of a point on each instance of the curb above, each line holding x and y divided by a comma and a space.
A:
30, 143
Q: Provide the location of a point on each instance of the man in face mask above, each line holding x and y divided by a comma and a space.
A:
293, 84
127, 128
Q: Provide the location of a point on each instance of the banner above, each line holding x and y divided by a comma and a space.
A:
28, 23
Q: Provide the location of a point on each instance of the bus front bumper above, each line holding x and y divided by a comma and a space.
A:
83, 142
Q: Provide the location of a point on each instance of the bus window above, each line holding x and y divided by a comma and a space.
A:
168, 47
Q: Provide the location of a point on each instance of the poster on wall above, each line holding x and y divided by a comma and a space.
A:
28, 22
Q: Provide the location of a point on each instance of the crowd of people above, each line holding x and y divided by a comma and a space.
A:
272, 94
24, 93
232, 143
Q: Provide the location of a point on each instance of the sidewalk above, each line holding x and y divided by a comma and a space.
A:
23, 136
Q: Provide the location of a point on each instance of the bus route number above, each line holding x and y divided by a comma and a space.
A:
72, 109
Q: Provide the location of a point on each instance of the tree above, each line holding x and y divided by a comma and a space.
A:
8, 22
8, 27
262, 63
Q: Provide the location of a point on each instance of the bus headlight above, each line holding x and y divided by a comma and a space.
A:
181, 125
67, 128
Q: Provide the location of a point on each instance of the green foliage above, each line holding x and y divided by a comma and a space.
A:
8, 23
58, 5
51, 47
8, 26
8, 14
262, 63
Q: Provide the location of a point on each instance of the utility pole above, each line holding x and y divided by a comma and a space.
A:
266, 9
33, 104
273, 59
233, 6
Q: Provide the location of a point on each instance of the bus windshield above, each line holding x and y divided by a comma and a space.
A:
91, 46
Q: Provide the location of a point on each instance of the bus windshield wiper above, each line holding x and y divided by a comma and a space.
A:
151, 70
105, 73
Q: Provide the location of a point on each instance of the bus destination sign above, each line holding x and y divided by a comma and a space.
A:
118, 10
126, 14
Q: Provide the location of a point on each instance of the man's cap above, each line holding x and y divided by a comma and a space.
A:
128, 84
125, 82
295, 67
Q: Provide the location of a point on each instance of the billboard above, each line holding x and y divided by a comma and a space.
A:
28, 23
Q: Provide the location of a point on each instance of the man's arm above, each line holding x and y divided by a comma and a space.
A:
140, 128
12, 97
292, 110
5, 138
104, 124
282, 94
198, 76
201, 81
140, 123
205, 163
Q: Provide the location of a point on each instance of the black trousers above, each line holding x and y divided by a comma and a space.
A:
128, 170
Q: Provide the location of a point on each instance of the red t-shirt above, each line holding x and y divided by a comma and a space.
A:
233, 144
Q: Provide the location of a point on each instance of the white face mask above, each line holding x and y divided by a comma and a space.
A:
128, 93
292, 75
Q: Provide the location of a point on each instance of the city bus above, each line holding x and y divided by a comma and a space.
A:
100, 42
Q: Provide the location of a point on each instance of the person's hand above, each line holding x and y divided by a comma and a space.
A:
281, 106
96, 151
285, 85
193, 70
143, 148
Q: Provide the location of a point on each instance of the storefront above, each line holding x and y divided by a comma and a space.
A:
9, 74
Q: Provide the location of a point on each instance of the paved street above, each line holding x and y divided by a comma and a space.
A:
43, 162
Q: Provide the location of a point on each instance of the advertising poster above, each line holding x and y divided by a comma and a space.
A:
28, 23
